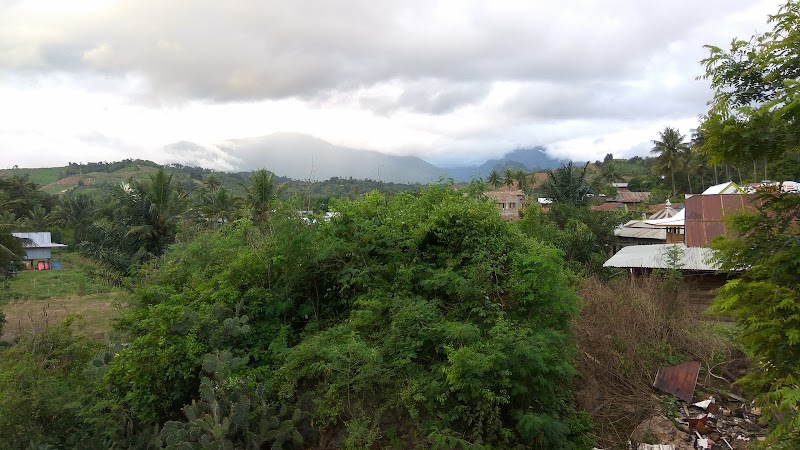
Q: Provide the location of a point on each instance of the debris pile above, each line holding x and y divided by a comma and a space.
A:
722, 420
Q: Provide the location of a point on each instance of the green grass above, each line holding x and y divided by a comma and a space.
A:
39, 176
42, 285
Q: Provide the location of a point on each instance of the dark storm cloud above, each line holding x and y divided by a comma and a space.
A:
442, 54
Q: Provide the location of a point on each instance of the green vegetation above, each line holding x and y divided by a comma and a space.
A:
413, 317
420, 321
755, 116
74, 280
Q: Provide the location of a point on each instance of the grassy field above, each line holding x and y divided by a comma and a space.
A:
35, 299
39, 176
96, 179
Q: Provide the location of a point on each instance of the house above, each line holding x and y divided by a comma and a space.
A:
510, 203
624, 200
701, 272
631, 198
38, 247
639, 232
724, 188
705, 215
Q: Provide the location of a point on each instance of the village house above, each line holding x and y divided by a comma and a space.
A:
510, 203
38, 248
688, 234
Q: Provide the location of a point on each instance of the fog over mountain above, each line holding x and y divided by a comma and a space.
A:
304, 157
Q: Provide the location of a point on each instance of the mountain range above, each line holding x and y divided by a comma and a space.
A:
303, 157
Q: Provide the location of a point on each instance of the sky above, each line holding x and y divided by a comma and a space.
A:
454, 82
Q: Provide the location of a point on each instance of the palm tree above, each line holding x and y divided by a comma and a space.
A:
10, 247
76, 213
220, 206
261, 193
567, 184
150, 211
670, 148
610, 172
36, 219
494, 178
509, 177
211, 182
522, 179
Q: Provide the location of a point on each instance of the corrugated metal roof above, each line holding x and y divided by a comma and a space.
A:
675, 221
641, 233
40, 239
632, 197
665, 213
724, 188
505, 195
610, 206
705, 215
655, 257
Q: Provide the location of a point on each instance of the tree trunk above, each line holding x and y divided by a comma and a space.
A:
672, 174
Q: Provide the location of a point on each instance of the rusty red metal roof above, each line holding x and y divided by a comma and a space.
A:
705, 215
678, 380
609, 206
631, 197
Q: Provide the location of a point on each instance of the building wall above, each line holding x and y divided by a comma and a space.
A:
705, 215
37, 253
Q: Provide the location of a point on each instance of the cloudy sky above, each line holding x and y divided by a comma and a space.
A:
450, 81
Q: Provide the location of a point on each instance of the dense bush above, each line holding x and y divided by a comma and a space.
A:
421, 321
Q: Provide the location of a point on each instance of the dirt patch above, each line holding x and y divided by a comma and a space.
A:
97, 312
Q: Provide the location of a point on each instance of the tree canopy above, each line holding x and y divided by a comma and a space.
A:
755, 114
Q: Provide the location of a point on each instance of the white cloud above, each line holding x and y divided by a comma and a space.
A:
449, 80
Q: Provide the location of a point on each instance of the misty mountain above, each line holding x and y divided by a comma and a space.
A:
304, 157
530, 159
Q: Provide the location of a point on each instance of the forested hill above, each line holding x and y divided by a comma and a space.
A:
98, 178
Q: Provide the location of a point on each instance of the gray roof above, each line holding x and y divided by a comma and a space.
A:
641, 233
39, 239
655, 257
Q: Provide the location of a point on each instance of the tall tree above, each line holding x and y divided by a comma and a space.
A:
610, 172
143, 223
10, 247
521, 176
755, 115
509, 177
220, 206
261, 194
670, 148
567, 184
211, 183
75, 213
495, 179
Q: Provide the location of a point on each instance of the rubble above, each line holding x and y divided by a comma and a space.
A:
678, 380
723, 420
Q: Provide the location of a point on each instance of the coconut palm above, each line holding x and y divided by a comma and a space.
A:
509, 177
670, 148
521, 176
567, 184
261, 194
10, 247
494, 178
220, 206
143, 224
75, 212
211, 183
